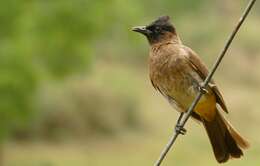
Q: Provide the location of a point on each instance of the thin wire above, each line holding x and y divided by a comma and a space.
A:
205, 83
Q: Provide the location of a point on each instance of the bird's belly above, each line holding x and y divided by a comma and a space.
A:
183, 88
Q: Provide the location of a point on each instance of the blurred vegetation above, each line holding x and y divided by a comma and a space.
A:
73, 70
47, 41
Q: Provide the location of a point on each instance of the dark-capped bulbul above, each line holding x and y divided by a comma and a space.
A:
177, 72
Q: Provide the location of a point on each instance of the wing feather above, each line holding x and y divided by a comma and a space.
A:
201, 68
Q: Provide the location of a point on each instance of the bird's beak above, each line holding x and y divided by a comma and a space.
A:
141, 29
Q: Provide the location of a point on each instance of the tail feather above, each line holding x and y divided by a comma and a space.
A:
242, 142
225, 140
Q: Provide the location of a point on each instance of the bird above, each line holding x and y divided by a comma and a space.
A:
177, 72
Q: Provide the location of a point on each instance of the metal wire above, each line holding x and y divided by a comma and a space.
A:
205, 83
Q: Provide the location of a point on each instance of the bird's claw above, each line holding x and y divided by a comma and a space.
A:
202, 89
179, 129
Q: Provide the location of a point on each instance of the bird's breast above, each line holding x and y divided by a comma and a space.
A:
173, 76
165, 68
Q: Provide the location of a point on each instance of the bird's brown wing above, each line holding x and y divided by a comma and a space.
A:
201, 68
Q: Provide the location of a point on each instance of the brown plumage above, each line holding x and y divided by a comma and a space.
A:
177, 72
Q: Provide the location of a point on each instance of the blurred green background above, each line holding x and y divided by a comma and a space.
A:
74, 85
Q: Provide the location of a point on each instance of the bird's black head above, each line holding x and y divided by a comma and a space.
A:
158, 31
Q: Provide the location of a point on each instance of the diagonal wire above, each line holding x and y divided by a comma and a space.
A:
205, 83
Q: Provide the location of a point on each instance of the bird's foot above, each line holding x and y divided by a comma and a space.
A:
179, 129
203, 89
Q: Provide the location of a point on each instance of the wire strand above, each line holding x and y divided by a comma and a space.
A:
205, 83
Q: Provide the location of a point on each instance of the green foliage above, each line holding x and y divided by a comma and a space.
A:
78, 109
39, 40
72, 69
44, 41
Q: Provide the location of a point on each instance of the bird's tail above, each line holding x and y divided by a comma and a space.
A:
225, 140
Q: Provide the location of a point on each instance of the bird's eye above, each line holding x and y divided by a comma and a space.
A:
157, 29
